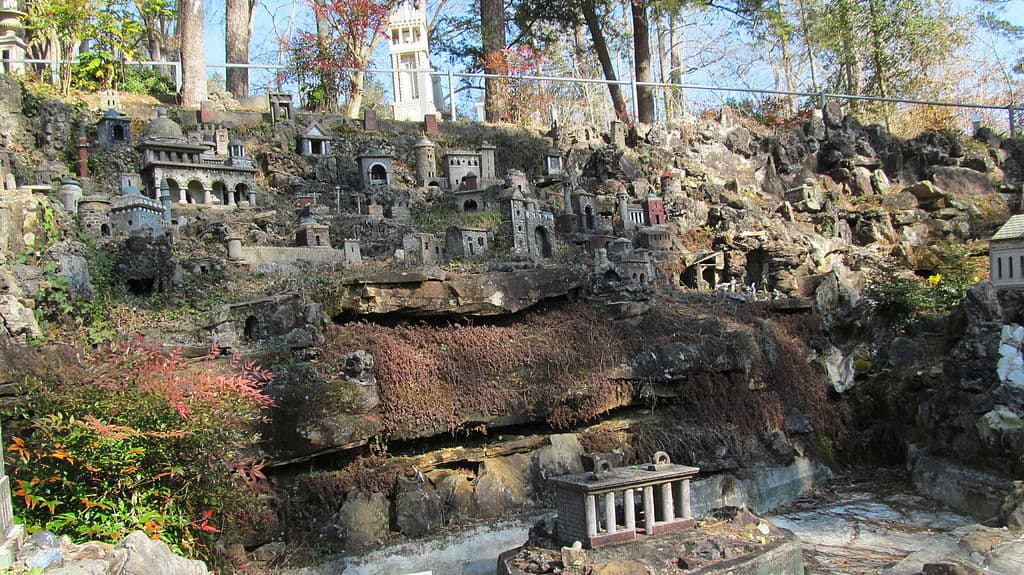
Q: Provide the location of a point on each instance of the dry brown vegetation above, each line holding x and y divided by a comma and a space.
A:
553, 365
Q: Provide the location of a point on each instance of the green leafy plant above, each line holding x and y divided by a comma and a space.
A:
902, 302
129, 437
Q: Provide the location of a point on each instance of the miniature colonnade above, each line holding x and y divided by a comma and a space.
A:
588, 503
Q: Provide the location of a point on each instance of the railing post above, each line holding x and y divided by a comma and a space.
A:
451, 96
610, 520
629, 510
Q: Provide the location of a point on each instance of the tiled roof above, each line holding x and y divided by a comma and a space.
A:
1013, 229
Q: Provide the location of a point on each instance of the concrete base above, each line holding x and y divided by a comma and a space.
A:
767, 489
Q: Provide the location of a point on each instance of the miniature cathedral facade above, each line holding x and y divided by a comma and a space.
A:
410, 50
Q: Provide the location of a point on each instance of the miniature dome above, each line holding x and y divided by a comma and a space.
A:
307, 221
113, 114
423, 142
163, 128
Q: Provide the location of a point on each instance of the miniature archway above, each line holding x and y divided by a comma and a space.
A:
105, 230
174, 190
543, 242
220, 191
241, 193
196, 192
378, 174
470, 206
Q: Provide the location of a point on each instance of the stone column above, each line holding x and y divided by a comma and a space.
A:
683, 500
591, 511
649, 510
629, 510
609, 512
667, 509
231, 197
206, 196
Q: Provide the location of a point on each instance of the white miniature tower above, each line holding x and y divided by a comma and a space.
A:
12, 47
413, 91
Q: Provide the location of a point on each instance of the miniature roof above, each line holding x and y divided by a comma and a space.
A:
1013, 229
424, 141
374, 153
130, 191
485, 145
236, 142
315, 132
163, 128
113, 114
512, 193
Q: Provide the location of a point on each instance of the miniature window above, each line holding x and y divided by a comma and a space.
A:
999, 267
480, 241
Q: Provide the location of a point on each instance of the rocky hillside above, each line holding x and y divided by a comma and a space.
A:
793, 309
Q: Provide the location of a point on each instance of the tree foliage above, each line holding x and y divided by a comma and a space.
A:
129, 437
351, 30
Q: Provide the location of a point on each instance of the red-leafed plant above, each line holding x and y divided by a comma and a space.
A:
333, 57
130, 437
528, 101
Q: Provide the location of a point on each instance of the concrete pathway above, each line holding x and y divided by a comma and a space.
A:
878, 526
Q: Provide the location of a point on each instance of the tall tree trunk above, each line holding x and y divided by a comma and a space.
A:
663, 57
642, 61
237, 34
675, 73
355, 97
191, 23
328, 81
492, 35
601, 47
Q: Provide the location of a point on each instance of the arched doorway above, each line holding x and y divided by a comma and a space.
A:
220, 191
378, 174
542, 241
469, 206
196, 193
241, 194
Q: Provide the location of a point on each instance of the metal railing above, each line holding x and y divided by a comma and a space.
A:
1014, 113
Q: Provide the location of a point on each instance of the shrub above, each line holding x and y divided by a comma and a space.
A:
128, 437
901, 302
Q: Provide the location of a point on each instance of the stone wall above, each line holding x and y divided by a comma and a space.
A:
284, 255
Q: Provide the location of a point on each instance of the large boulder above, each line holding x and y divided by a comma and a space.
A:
418, 509
501, 488
137, 554
363, 518
961, 180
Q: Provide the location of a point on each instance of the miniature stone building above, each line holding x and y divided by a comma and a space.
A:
466, 243
589, 504
410, 50
633, 265
1006, 255
421, 249
553, 163
375, 169
194, 173
312, 235
462, 169
656, 238
467, 170
353, 255
315, 141
706, 272
280, 107
113, 130
131, 213
529, 230
426, 163
12, 47
94, 215
69, 193
654, 210
671, 183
